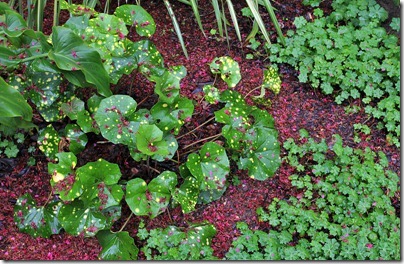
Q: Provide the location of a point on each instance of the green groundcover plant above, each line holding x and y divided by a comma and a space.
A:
350, 55
51, 73
343, 209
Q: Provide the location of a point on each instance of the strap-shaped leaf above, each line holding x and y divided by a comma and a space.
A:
13, 103
71, 53
77, 219
112, 117
150, 199
36, 221
117, 246
135, 15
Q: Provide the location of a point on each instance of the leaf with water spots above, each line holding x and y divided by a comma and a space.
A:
117, 246
48, 141
112, 117
64, 181
76, 137
151, 199
170, 117
137, 16
168, 84
228, 69
78, 219
36, 220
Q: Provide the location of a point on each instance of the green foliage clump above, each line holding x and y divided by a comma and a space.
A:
343, 210
349, 54
174, 243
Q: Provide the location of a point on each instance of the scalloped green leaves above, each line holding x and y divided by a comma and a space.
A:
170, 117
151, 199
187, 194
70, 53
112, 117
117, 246
251, 134
228, 69
76, 137
135, 15
34, 220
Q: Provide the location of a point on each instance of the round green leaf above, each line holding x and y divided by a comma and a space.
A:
149, 140
112, 117
48, 141
135, 15
228, 69
117, 246
76, 137
34, 220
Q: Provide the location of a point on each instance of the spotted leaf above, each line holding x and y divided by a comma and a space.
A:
117, 246
76, 137
151, 199
170, 117
112, 119
135, 15
97, 171
64, 181
48, 141
72, 108
228, 69
210, 168
77, 219
187, 194
212, 94
34, 220
168, 85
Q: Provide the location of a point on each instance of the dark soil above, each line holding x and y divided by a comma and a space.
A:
296, 106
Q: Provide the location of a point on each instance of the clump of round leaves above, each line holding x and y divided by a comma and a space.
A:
205, 177
251, 135
117, 246
48, 141
153, 198
36, 220
113, 118
173, 243
228, 69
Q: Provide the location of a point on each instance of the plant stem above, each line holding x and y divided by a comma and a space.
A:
126, 222
34, 57
198, 141
258, 87
204, 123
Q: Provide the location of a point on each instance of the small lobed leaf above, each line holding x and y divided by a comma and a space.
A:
137, 16
228, 69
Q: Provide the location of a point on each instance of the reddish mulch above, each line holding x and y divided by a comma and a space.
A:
296, 106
